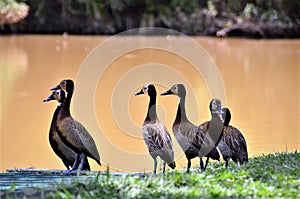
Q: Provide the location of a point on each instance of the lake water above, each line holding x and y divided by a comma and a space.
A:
257, 79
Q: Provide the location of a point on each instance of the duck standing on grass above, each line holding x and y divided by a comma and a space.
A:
232, 144
191, 139
73, 133
156, 135
66, 154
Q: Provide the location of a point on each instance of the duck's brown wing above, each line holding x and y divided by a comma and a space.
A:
235, 140
64, 145
87, 141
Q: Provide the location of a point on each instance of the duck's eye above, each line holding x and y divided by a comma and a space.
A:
57, 93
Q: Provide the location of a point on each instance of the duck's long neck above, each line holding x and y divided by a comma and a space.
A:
215, 130
65, 109
151, 113
181, 113
55, 115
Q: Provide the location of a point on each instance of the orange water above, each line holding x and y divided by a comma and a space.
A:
260, 77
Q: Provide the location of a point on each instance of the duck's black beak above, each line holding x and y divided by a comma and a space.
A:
139, 93
168, 92
55, 88
49, 98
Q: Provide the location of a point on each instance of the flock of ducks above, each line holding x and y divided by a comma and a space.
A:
72, 143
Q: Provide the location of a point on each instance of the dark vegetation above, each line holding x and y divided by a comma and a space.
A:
274, 175
251, 18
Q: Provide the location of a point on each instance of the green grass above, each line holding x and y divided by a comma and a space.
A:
274, 175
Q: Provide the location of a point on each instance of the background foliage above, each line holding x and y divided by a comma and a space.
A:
200, 17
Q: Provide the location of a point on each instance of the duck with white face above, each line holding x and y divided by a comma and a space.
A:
155, 134
191, 139
232, 144
72, 132
215, 130
216, 108
65, 153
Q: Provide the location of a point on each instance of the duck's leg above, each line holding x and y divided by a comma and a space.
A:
188, 165
164, 166
206, 163
82, 157
201, 164
155, 165
76, 162
226, 163
75, 165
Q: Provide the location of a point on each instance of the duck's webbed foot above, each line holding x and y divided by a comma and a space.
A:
70, 172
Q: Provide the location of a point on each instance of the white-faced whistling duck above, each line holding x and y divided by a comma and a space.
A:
66, 154
156, 135
72, 133
215, 130
233, 144
191, 139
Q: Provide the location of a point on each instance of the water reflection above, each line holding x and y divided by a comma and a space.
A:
14, 64
261, 78
262, 85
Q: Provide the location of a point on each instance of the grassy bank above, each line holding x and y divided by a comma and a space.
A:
270, 176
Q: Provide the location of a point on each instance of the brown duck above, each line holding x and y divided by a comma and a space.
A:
191, 139
66, 154
233, 144
215, 130
72, 133
156, 135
